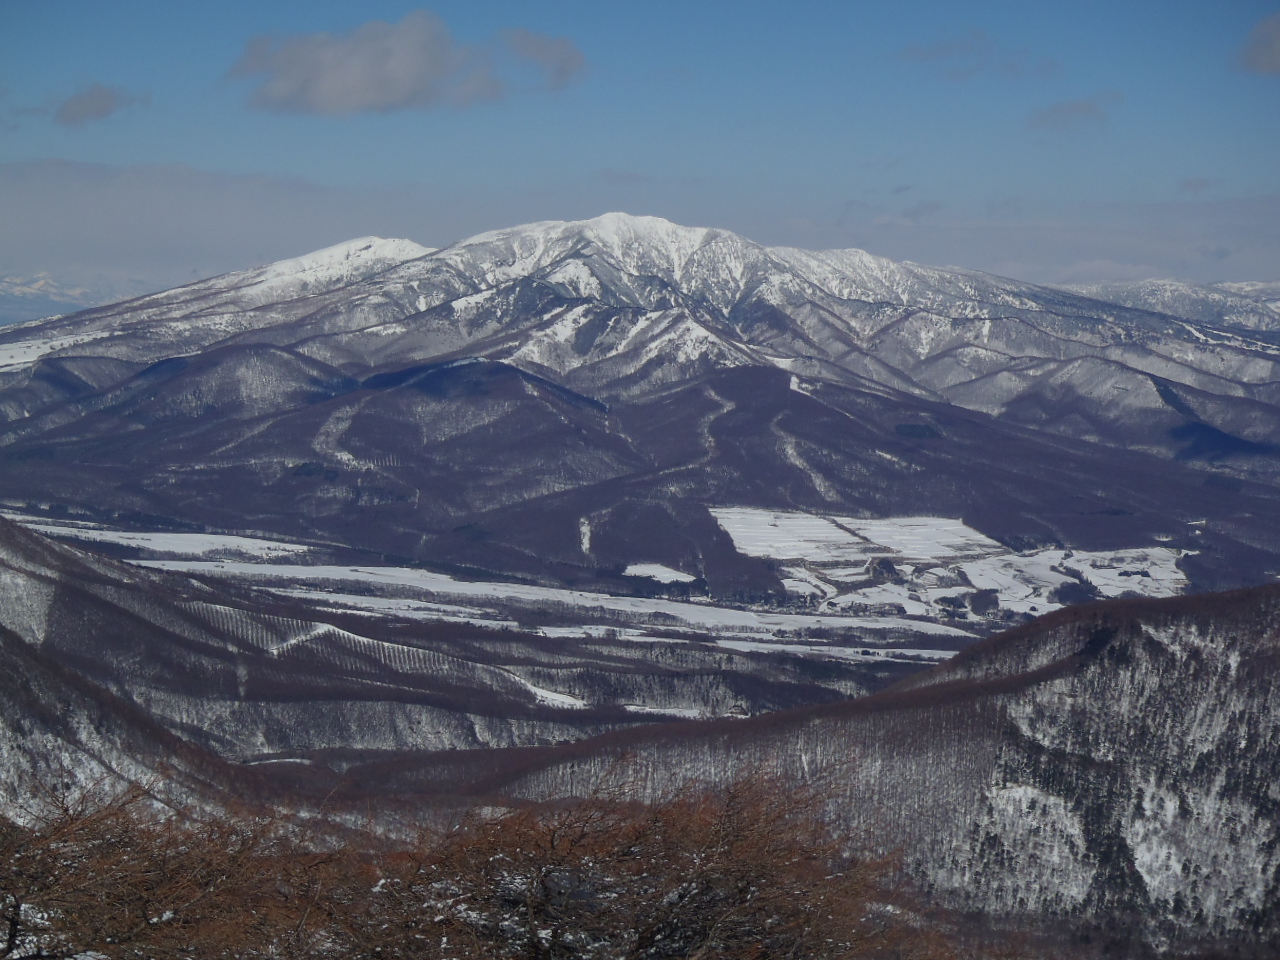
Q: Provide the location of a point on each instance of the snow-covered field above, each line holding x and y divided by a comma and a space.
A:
937, 565
879, 586
791, 535
659, 572
192, 545
787, 535
422, 594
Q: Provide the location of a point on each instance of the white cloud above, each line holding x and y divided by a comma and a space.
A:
378, 68
381, 67
1261, 53
1068, 116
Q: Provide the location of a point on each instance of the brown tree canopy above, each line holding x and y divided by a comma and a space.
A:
747, 872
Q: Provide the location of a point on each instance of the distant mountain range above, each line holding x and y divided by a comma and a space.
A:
24, 298
481, 405
1240, 306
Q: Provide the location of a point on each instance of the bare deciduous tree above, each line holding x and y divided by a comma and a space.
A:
750, 872
747, 871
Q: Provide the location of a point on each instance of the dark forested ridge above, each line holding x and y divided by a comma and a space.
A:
1115, 764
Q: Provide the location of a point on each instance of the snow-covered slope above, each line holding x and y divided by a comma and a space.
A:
188, 318
1243, 306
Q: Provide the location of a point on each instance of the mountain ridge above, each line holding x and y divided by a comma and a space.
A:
264, 397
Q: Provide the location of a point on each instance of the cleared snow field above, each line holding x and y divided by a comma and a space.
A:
1150, 572
190, 545
924, 537
1024, 583
834, 566
659, 572
551, 698
683, 712
791, 536
938, 564
182, 544
844, 653
488, 601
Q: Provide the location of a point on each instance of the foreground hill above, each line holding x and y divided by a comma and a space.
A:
1112, 766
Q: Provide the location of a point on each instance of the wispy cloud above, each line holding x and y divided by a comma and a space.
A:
1198, 185
920, 211
383, 67
618, 177
558, 58
976, 53
1202, 240
95, 102
1261, 52
1069, 116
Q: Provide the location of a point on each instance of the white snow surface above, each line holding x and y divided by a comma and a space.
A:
791, 535
939, 564
488, 596
205, 545
938, 560
26, 352
659, 572
931, 537
341, 257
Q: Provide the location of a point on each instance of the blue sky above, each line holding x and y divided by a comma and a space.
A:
1050, 141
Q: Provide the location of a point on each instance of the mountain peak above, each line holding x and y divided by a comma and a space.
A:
612, 231
341, 257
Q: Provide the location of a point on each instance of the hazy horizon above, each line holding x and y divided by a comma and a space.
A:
148, 145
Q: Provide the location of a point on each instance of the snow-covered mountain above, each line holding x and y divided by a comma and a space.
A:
1241, 306
29, 298
481, 403
611, 305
